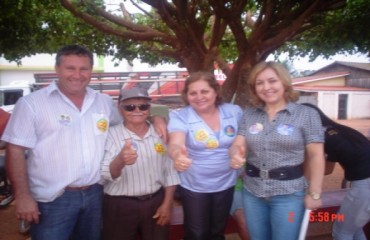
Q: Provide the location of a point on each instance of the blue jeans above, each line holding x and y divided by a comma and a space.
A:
73, 215
274, 218
355, 209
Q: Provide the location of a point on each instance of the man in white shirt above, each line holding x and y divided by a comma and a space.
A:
62, 129
140, 177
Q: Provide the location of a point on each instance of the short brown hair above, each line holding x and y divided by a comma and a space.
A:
290, 95
202, 76
73, 50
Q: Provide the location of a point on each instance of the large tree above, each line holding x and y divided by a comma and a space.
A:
194, 33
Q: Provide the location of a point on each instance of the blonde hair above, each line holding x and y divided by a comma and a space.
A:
290, 95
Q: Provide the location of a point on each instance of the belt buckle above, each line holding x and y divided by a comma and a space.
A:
264, 174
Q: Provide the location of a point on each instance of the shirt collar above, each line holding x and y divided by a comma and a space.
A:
127, 134
194, 117
290, 107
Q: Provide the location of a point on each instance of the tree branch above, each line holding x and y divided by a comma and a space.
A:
141, 33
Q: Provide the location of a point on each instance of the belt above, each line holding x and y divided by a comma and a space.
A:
81, 188
144, 197
282, 173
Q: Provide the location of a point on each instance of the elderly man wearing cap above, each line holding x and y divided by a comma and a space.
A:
140, 179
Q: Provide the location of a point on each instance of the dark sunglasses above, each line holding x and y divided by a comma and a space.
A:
132, 107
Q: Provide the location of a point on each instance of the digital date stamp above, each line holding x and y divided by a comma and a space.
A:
320, 217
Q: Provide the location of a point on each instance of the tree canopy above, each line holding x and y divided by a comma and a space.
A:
195, 34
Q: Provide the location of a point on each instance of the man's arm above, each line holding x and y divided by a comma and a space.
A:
16, 168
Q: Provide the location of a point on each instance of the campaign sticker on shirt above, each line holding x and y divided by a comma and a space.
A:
285, 129
101, 123
65, 119
212, 143
201, 135
159, 148
230, 131
256, 128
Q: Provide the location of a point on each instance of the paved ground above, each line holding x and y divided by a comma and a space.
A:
9, 225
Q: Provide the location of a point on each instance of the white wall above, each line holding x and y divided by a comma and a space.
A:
328, 103
358, 105
7, 76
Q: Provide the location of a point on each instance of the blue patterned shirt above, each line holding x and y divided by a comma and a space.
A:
278, 143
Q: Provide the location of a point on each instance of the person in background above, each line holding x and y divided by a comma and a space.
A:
140, 179
351, 150
200, 135
277, 133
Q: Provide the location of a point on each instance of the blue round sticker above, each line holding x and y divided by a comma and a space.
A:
230, 131
285, 129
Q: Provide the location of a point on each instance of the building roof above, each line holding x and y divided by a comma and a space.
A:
330, 88
325, 76
357, 65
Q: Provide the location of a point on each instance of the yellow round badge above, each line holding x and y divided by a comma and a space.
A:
212, 143
201, 135
102, 125
159, 148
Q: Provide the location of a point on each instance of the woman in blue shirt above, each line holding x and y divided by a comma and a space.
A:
200, 136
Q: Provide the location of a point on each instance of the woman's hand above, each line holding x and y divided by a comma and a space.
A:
237, 155
311, 203
182, 161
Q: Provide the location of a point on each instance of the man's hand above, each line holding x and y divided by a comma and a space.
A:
163, 215
128, 153
26, 208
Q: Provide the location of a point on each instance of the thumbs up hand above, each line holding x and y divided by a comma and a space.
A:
238, 157
182, 161
128, 153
